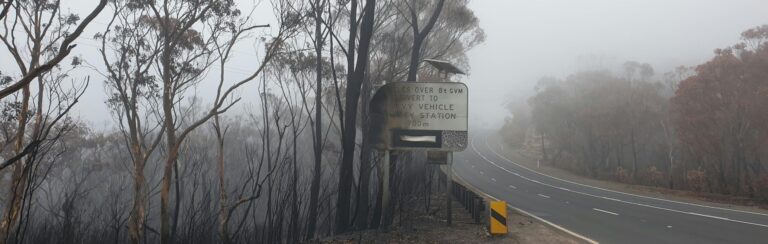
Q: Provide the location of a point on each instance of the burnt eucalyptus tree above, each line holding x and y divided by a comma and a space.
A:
450, 38
356, 67
36, 36
128, 50
43, 22
191, 36
420, 34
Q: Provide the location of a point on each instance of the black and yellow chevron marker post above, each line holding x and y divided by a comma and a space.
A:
498, 218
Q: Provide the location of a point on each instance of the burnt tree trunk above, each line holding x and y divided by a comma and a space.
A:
318, 130
354, 82
419, 36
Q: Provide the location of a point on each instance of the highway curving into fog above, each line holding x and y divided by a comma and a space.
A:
602, 215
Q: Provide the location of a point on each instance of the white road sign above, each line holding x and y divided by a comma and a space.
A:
428, 106
420, 115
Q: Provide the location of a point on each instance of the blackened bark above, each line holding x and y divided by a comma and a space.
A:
354, 83
419, 36
318, 140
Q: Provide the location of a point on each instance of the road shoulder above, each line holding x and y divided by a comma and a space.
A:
423, 227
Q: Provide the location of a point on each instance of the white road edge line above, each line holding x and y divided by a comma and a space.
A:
577, 235
553, 225
608, 212
542, 195
513, 187
608, 190
612, 199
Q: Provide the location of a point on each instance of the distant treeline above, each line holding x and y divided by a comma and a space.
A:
701, 129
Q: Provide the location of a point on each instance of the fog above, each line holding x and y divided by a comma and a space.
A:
258, 121
531, 39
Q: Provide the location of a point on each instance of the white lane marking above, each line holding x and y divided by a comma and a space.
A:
481, 172
474, 148
513, 187
709, 216
473, 166
608, 190
577, 235
608, 212
669, 226
493, 179
567, 231
542, 195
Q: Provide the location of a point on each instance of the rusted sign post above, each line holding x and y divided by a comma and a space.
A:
430, 116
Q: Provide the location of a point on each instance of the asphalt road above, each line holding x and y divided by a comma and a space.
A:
602, 215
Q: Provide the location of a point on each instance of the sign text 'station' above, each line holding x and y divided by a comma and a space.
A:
431, 106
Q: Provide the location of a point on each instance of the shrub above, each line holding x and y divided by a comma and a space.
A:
655, 176
621, 174
696, 179
761, 186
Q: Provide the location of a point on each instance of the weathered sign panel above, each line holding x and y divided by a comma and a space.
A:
424, 115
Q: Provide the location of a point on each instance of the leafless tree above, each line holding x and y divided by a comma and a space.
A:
357, 64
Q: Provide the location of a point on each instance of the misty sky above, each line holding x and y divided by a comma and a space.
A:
530, 39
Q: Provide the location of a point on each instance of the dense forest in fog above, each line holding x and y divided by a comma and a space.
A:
185, 165
702, 128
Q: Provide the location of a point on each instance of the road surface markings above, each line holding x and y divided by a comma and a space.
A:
473, 166
669, 226
513, 187
708, 216
474, 148
608, 212
544, 196
493, 179
577, 235
608, 190
481, 172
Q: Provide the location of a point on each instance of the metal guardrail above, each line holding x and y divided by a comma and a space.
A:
471, 201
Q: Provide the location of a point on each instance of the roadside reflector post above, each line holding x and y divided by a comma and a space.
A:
498, 218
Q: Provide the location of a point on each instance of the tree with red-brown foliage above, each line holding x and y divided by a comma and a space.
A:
721, 114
